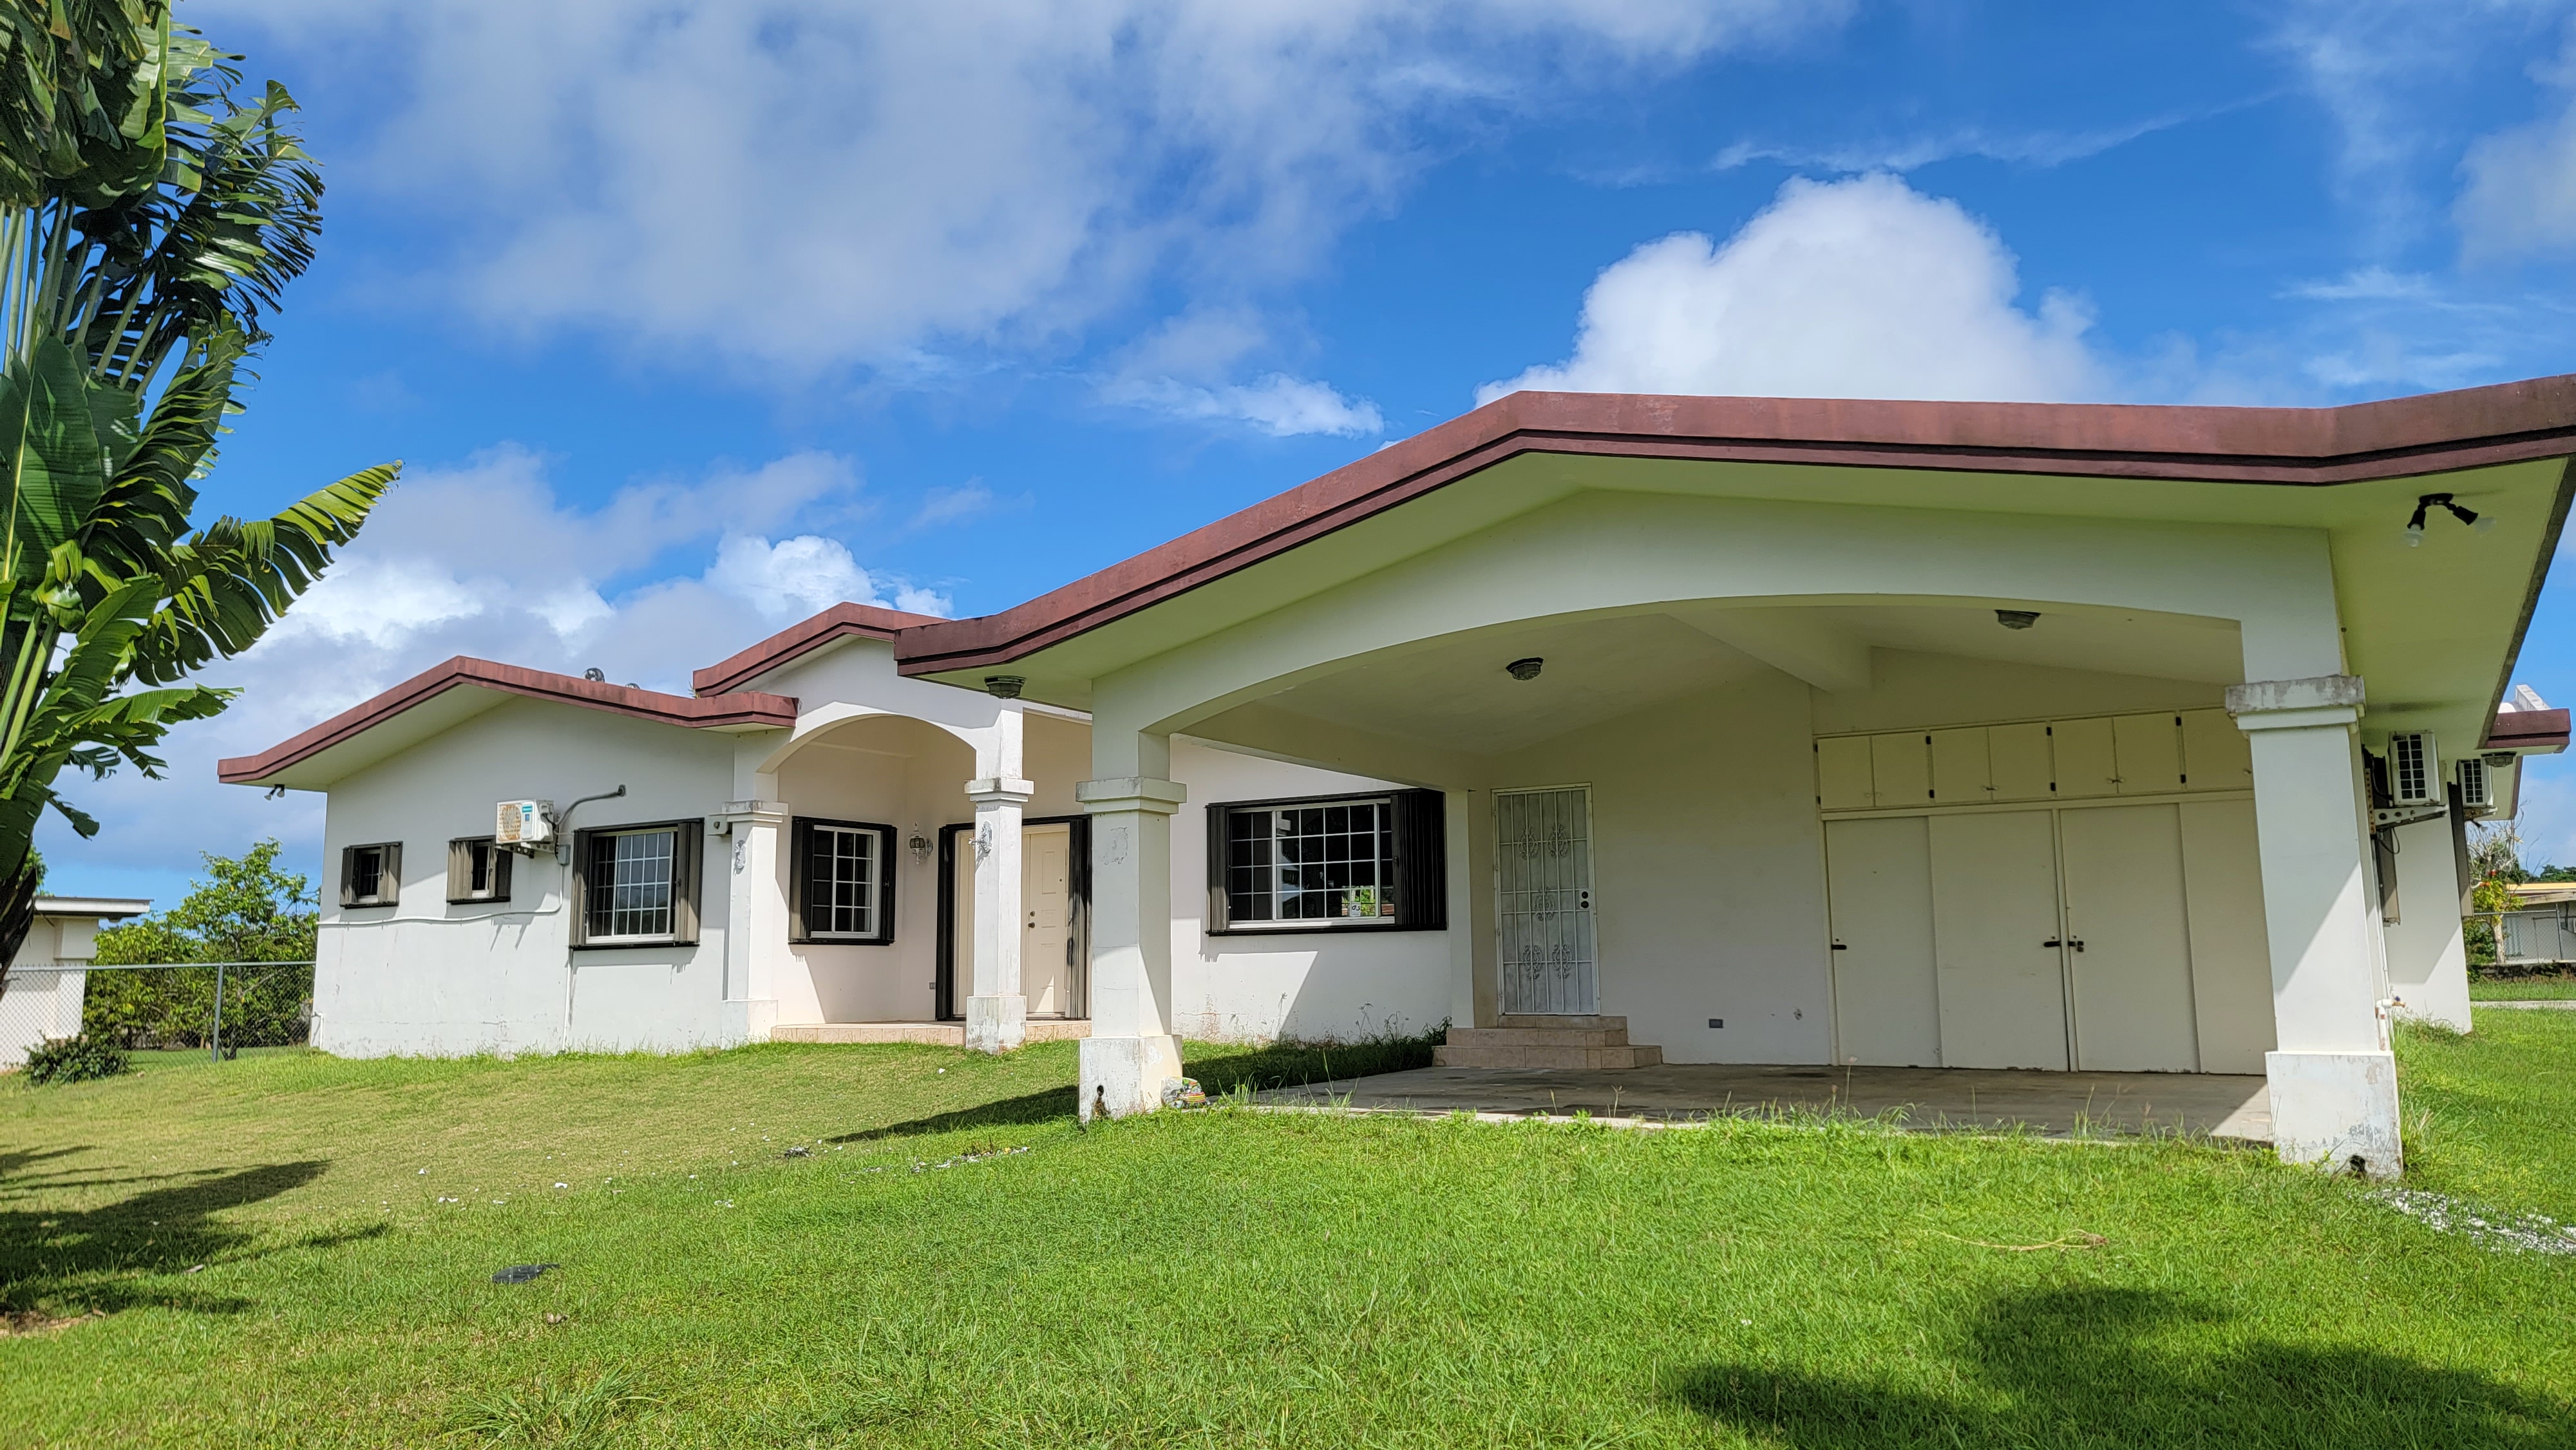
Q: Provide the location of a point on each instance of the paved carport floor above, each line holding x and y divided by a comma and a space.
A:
2049, 1103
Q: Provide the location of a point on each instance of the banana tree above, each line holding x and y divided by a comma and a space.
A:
149, 216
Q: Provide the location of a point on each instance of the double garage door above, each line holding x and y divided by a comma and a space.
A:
2117, 937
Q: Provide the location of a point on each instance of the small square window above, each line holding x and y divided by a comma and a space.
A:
478, 869
844, 882
371, 875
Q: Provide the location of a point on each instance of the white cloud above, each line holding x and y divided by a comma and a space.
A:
1859, 288
810, 183
2520, 196
968, 500
796, 577
1278, 404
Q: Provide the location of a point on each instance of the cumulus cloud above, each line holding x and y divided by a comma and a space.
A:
484, 560
812, 183
2519, 196
1278, 404
1858, 288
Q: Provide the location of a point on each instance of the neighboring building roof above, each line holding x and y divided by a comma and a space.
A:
2532, 732
2398, 437
738, 711
836, 623
101, 908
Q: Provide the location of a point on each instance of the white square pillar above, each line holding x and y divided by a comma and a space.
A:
744, 837
1132, 1050
2333, 1079
997, 1011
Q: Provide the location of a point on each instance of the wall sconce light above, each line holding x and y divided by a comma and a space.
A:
1004, 687
2477, 522
1525, 669
2016, 618
919, 846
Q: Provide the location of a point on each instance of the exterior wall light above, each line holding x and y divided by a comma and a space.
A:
2016, 618
919, 846
1525, 669
2478, 522
1003, 687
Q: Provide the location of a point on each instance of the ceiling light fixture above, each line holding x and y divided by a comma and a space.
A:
1004, 687
2477, 522
1525, 669
2016, 618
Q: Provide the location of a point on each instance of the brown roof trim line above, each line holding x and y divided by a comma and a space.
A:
464, 670
2506, 423
2541, 730
813, 634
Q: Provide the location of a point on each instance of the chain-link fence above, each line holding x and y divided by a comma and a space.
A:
219, 1006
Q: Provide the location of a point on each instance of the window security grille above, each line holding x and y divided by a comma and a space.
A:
2410, 769
843, 870
1324, 863
630, 877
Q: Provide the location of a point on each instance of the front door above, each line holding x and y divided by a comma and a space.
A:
1543, 900
1046, 936
1998, 947
2130, 934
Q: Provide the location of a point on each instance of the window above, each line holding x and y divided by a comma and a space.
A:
477, 870
1343, 862
843, 875
371, 875
637, 885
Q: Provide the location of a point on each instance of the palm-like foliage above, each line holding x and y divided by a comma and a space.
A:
148, 218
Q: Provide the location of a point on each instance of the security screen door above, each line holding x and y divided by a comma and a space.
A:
1543, 900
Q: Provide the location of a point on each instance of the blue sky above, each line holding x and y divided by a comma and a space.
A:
690, 316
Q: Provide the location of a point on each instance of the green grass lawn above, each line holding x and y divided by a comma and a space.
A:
950, 1261
2525, 989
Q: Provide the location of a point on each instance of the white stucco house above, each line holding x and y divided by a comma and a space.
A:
1769, 731
49, 977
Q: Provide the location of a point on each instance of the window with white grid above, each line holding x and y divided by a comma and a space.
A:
629, 881
844, 876
1324, 863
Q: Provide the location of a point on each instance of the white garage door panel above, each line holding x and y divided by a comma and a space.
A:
1886, 1007
1994, 909
2124, 901
2231, 962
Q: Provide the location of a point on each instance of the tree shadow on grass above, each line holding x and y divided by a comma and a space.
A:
1298, 1064
1046, 1107
2074, 1367
94, 1258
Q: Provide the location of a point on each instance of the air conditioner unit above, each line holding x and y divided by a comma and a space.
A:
524, 824
2411, 778
2477, 785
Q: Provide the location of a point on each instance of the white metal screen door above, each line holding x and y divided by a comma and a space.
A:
1543, 899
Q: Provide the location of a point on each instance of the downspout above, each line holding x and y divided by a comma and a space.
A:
572, 908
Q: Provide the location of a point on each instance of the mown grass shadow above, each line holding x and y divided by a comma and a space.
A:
91, 1258
1300, 1064
1043, 1107
2079, 1367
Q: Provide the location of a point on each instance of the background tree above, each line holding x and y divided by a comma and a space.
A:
150, 213
244, 909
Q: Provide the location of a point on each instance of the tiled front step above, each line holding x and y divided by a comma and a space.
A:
1547, 1042
928, 1034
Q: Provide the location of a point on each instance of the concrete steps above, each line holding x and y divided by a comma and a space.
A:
926, 1034
1546, 1042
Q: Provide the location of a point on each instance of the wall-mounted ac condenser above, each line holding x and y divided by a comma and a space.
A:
525, 824
2477, 785
2411, 777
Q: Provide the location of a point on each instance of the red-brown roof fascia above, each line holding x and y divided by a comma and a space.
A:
2507, 423
699, 713
813, 634
2543, 731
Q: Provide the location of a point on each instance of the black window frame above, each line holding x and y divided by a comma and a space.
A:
388, 890
1419, 865
687, 859
460, 871
800, 855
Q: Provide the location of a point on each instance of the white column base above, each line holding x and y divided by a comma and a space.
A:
749, 1020
997, 1023
1122, 1076
2333, 1108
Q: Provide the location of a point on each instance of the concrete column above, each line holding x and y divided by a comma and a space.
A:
1132, 1050
2428, 959
2333, 1079
997, 1012
743, 854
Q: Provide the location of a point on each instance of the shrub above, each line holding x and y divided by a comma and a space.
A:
78, 1058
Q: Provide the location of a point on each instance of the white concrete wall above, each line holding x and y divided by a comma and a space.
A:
426, 977
2428, 959
1302, 984
1910, 691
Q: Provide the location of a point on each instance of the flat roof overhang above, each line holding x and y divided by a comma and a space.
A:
448, 694
2434, 630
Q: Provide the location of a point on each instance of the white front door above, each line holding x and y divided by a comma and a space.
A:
1878, 881
1046, 935
1543, 900
1997, 940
